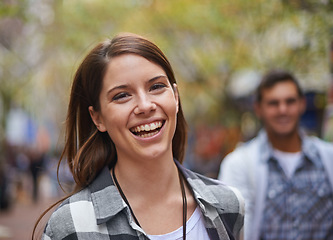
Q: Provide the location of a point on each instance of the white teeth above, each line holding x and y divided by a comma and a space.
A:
145, 135
147, 127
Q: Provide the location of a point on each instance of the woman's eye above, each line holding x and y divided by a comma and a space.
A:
157, 86
120, 96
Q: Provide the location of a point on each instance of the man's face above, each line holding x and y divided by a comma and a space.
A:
280, 109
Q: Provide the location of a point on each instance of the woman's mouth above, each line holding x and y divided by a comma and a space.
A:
147, 130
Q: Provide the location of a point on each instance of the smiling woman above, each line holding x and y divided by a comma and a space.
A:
125, 142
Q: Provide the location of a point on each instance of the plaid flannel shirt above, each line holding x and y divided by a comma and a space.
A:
300, 207
247, 169
99, 212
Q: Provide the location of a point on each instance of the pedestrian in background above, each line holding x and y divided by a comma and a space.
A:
285, 176
126, 136
37, 164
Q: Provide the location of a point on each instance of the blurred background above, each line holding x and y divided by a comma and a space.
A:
218, 49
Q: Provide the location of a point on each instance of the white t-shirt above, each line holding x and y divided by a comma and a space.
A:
195, 229
288, 161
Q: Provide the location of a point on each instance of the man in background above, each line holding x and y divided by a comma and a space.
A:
285, 176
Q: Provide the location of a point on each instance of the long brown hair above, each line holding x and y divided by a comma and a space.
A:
86, 149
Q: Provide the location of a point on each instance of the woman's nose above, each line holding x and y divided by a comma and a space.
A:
144, 105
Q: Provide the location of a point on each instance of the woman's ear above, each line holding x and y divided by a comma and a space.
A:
175, 90
97, 119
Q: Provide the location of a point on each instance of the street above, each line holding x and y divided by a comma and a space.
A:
18, 222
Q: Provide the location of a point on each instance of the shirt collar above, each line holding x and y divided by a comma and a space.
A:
103, 190
309, 149
199, 188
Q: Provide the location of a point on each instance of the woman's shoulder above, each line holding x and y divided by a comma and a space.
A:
214, 194
83, 195
215, 191
65, 218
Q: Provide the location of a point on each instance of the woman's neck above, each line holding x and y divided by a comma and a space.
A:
146, 177
153, 189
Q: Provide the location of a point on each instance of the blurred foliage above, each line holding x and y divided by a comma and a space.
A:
206, 41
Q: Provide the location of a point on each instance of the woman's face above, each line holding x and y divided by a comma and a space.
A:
138, 108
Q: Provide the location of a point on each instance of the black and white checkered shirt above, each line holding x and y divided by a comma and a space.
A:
99, 212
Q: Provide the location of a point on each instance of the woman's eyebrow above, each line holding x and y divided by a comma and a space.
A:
124, 86
157, 77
